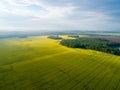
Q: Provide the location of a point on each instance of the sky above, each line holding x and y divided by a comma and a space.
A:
53, 15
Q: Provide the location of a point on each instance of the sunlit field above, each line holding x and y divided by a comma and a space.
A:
39, 63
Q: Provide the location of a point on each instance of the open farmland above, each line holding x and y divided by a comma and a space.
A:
39, 63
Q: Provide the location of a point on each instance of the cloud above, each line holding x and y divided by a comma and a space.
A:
47, 11
56, 15
19, 2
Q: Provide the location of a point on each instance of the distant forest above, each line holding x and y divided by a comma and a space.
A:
54, 37
94, 44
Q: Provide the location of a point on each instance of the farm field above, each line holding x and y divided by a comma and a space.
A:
39, 63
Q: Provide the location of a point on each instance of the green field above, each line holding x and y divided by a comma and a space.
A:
39, 63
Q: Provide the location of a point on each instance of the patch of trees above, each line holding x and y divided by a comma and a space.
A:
74, 36
54, 37
94, 44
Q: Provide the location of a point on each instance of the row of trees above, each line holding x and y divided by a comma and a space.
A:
94, 44
74, 36
54, 37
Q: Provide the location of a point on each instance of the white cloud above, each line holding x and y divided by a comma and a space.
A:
67, 16
19, 7
19, 2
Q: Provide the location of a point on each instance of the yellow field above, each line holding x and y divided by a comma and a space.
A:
39, 63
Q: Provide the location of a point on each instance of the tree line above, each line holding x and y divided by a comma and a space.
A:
55, 37
94, 44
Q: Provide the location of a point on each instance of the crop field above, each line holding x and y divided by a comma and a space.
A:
39, 63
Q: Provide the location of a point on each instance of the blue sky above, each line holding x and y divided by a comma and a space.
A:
59, 15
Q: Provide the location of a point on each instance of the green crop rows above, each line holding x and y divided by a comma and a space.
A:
39, 63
